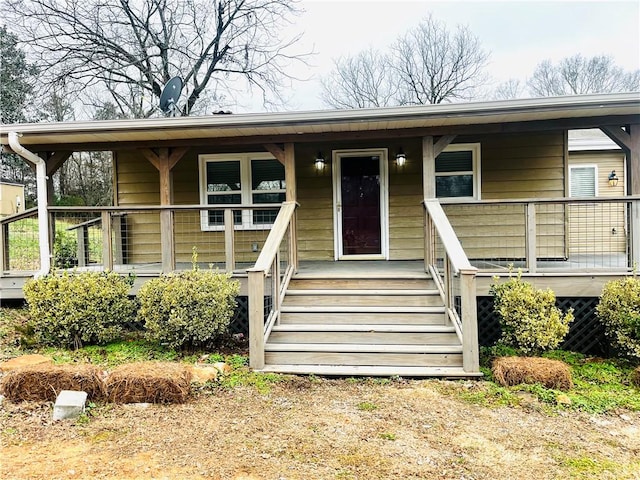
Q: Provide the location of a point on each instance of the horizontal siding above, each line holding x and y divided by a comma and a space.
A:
599, 228
512, 166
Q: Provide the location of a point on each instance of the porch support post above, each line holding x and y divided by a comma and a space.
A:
256, 319
4, 248
430, 150
229, 241
428, 168
164, 161
291, 196
470, 350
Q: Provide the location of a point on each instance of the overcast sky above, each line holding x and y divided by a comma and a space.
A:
519, 34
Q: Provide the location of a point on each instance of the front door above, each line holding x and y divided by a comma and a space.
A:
360, 204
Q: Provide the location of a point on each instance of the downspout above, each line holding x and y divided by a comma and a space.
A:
43, 214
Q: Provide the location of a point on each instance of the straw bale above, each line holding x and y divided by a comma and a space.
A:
509, 371
635, 377
149, 382
45, 382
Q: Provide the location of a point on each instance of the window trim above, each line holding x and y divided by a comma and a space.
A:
475, 149
593, 166
246, 188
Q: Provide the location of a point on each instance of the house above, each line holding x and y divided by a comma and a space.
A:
11, 198
364, 239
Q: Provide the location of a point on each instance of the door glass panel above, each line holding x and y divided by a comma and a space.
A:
361, 227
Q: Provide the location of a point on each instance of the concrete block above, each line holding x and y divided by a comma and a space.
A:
69, 404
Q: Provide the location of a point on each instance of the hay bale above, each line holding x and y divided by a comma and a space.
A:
635, 377
149, 382
45, 382
509, 371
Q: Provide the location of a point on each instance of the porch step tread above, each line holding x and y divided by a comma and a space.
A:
294, 327
363, 292
370, 370
361, 275
360, 348
358, 309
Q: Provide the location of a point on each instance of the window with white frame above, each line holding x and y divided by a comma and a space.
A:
458, 172
240, 179
583, 180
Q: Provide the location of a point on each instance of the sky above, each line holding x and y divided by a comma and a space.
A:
518, 34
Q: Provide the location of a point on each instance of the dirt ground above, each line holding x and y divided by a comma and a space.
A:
319, 429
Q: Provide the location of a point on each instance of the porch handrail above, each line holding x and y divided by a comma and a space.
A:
18, 216
4, 234
269, 262
457, 264
518, 201
137, 208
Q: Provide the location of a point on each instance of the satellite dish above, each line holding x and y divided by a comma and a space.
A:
170, 95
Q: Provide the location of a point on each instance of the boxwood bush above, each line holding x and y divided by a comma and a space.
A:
70, 309
619, 312
529, 318
188, 309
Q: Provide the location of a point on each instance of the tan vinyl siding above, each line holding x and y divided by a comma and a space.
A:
511, 166
315, 196
591, 226
514, 166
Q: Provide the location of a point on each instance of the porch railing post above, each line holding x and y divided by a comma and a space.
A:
635, 235
530, 238
107, 246
275, 285
293, 241
118, 251
229, 241
470, 351
429, 244
167, 242
4, 247
82, 235
256, 319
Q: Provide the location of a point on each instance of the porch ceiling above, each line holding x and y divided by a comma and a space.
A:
542, 113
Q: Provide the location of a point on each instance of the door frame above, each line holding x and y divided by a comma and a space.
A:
336, 156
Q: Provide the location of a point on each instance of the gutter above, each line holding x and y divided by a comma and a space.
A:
43, 214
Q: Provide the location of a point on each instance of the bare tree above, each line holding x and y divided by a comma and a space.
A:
434, 64
509, 90
131, 48
429, 64
581, 75
362, 81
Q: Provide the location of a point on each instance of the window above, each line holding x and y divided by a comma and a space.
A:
240, 179
458, 172
582, 181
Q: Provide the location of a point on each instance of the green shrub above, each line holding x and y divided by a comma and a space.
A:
188, 309
65, 249
619, 312
72, 309
529, 318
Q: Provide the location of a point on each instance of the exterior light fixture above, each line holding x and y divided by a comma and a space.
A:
613, 179
401, 158
320, 162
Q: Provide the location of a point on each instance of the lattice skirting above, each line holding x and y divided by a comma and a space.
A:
586, 334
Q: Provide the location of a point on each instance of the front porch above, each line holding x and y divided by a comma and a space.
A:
399, 317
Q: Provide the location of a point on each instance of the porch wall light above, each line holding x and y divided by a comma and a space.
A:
320, 162
401, 158
613, 179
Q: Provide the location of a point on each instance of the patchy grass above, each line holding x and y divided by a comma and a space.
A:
367, 406
600, 385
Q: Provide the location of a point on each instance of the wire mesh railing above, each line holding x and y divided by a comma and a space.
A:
567, 234
139, 239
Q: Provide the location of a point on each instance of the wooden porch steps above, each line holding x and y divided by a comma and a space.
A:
364, 325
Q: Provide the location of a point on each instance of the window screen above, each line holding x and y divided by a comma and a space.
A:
583, 181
